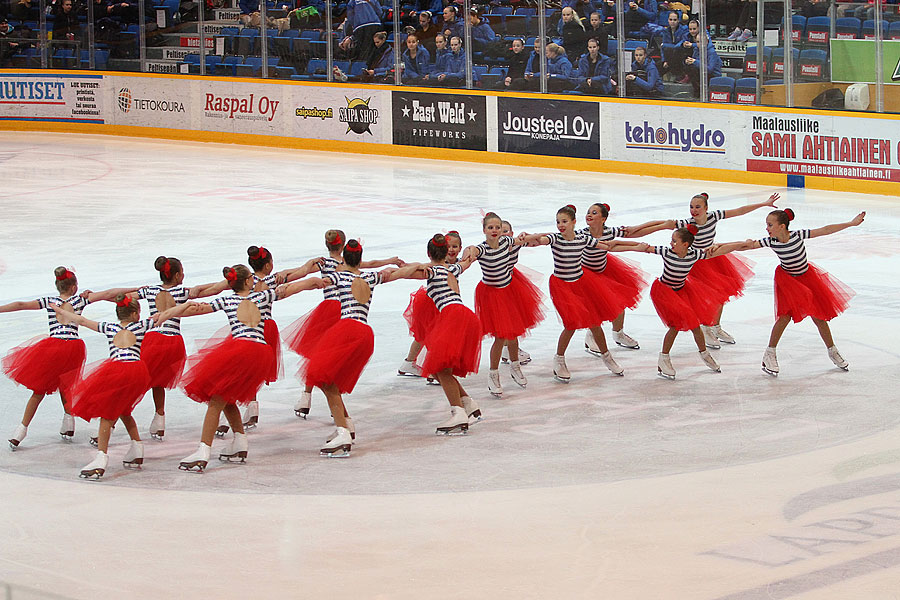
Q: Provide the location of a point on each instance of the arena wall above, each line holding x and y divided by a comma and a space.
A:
842, 151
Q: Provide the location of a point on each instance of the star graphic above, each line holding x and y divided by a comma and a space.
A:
472, 115
405, 111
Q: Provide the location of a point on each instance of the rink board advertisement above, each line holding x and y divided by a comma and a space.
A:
823, 146
439, 120
148, 102
49, 97
548, 127
237, 107
356, 115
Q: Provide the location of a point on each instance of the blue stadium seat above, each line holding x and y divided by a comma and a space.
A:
750, 60
847, 28
812, 65
798, 26
745, 90
817, 31
776, 66
868, 30
721, 89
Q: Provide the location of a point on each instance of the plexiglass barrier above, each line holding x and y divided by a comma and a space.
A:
809, 53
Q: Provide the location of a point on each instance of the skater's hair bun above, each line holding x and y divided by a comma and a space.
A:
126, 306
783, 217
604, 208
65, 279
488, 217
334, 240
168, 268
789, 213
236, 276
453, 234
567, 210
686, 234
437, 247
258, 257
353, 253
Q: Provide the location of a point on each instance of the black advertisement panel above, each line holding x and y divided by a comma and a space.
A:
548, 127
440, 120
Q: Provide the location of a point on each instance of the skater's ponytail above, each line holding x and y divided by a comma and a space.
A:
168, 268
65, 280
686, 234
783, 217
353, 253
236, 276
126, 306
488, 217
604, 208
334, 240
258, 257
437, 247
568, 210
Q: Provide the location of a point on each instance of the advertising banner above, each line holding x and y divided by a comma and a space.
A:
853, 61
240, 107
840, 147
356, 115
548, 127
149, 102
40, 97
439, 120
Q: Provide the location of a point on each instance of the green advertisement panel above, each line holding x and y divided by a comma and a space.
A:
853, 61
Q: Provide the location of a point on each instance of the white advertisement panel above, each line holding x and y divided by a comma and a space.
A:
46, 97
237, 107
148, 102
346, 114
824, 146
670, 135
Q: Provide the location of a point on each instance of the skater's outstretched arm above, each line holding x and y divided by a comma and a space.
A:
408, 271
648, 228
723, 249
376, 264
829, 229
534, 239
288, 275
289, 289
205, 290
621, 246
743, 210
69, 318
108, 295
188, 309
15, 306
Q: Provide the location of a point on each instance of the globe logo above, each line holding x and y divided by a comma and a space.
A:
124, 100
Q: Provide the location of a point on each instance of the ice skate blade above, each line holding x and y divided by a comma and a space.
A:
94, 442
134, 464
504, 360
193, 467
240, 457
67, 436
637, 347
496, 394
847, 368
158, 436
770, 372
93, 474
342, 451
432, 381
664, 376
221, 430
250, 424
302, 412
13, 444
727, 341
406, 374
455, 430
596, 353
562, 379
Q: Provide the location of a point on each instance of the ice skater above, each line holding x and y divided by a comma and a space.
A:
231, 372
728, 274
112, 389
524, 357
682, 303
615, 273
801, 288
48, 364
506, 303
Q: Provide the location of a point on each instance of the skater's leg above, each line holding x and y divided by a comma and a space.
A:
336, 404
496, 351
211, 421
451, 387
67, 406
31, 408
459, 387
699, 339
718, 315
414, 349
513, 348
233, 414
103, 435
564, 338
159, 400
824, 332
600, 339
778, 329
130, 427
669, 340
619, 322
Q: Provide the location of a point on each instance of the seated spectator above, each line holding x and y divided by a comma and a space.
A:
416, 61
426, 32
20, 10
640, 19
643, 80
432, 7
451, 25
597, 30
515, 60
532, 69
8, 47
595, 71
249, 16
124, 11
572, 31
450, 67
65, 23
560, 74
440, 47
692, 63
746, 23
381, 60
362, 22
583, 8
671, 43
482, 34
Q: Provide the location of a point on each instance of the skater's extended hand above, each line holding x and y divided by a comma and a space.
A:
858, 219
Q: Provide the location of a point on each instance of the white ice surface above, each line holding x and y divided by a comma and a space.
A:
732, 485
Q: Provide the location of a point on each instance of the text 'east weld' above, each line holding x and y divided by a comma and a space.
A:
449, 112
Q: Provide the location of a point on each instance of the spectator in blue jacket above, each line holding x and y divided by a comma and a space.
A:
363, 21
640, 19
450, 67
595, 71
643, 80
416, 61
451, 25
692, 63
433, 7
440, 47
482, 34
380, 61
532, 69
560, 74
671, 44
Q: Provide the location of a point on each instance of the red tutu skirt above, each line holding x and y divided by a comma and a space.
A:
39, 363
813, 294
302, 335
453, 343
273, 339
164, 356
420, 314
508, 312
587, 302
628, 274
341, 356
110, 389
727, 274
234, 370
684, 309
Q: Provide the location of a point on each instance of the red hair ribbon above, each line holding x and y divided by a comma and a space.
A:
453, 232
262, 253
789, 213
337, 240
705, 195
126, 301
605, 206
67, 275
167, 269
440, 244
231, 275
572, 206
693, 229
357, 247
